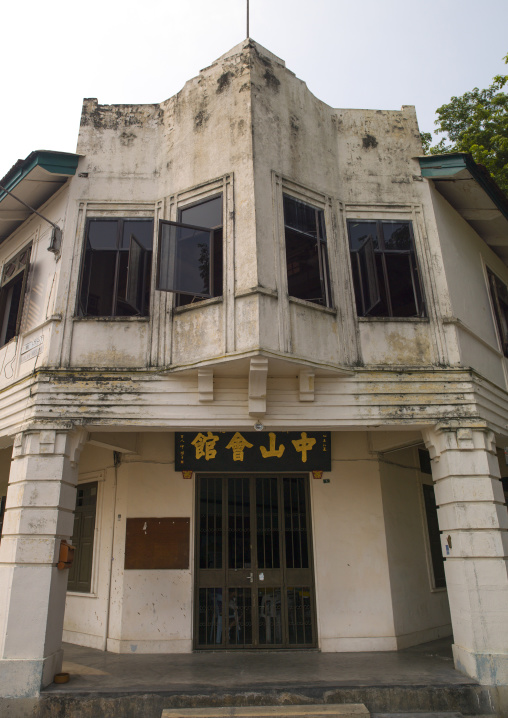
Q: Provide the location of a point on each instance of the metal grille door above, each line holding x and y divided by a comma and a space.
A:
254, 586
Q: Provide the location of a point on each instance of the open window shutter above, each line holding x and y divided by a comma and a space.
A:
370, 282
85, 279
184, 259
134, 287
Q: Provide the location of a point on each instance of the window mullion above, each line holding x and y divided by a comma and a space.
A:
387, 285
117, 267
413, 283
360, 274
21, 299
211, 270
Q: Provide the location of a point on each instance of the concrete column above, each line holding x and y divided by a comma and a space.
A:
474, 522
40, 504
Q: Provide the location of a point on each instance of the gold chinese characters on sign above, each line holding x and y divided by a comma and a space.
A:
286, 451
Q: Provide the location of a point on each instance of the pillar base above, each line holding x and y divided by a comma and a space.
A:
24, 678
489, 669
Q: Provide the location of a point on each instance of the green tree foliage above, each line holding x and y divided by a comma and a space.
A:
476, 122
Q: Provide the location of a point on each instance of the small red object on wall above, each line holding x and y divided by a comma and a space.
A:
318, 474
187, 474
66, 556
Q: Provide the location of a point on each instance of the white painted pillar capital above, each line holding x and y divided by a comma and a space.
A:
46, 441
39, 514
474, 523
454, 436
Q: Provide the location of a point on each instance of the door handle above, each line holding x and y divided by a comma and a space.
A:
250, 577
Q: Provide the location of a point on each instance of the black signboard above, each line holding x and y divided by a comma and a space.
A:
253, 451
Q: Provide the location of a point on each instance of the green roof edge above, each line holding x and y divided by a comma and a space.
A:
63, 163
441, 166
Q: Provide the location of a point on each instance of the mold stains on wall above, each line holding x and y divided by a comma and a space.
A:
114, 117
201, 119
369, 141
127, 138
271, 81
224, 82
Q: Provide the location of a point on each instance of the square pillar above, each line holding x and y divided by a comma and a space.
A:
41, 498
474, 523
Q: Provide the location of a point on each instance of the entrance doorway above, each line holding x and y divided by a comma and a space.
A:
254, 569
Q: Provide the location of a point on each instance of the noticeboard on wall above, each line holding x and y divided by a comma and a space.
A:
157, 543
253, 451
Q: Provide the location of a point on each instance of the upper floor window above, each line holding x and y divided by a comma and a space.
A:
12, 292
190, 253
306, 253
385, 272
499, 294
115, 280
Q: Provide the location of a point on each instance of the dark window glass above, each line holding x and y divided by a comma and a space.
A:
299, 615
239, 611
239, 523
184, 259
12, 291
434, 536
270, 616
425, 465
210, 523
210, 616
204, 214
400, 284
306, 252
385, 272
190, 253
116, 274
103, 235
295, 522
267, 519
2, 512
499, 295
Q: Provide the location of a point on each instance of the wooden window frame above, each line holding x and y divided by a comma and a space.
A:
18, 266
326, 299
496, 286
364, 311
82, 302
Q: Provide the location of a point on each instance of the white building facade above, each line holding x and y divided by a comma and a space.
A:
260, 383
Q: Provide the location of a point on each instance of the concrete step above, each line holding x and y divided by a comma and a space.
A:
397, 701
437, 714
337, 710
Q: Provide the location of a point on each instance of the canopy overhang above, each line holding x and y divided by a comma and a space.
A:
472, 192
34, 180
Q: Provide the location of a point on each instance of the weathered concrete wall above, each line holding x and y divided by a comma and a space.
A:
466, 258
37, 343
149, 611
86, 615
420, 612
350, 552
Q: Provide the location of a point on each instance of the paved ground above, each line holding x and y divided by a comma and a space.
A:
99, 672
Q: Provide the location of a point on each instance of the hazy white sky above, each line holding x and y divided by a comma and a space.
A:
369, 53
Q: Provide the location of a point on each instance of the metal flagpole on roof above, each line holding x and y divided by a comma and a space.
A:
247, 19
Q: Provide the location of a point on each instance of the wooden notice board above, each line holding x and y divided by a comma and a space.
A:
157, 543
